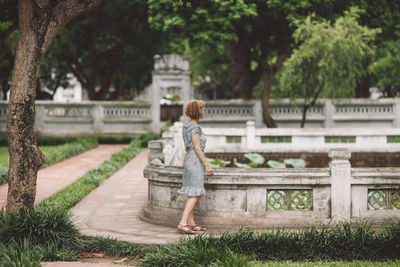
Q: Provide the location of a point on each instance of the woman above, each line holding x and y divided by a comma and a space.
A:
195, 166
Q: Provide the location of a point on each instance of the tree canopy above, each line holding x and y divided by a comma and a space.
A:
329, 59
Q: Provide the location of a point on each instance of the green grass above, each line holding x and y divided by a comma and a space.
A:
53, 153
336, 242
48, 234
4, 155
327, 264
72, 194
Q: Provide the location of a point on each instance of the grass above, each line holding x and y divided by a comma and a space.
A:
326, 264
73, 193
47, 233
336, 242
53, 153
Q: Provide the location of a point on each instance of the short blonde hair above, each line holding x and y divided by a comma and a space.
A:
194, 109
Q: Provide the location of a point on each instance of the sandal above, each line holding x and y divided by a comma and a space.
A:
185, 229
197, 227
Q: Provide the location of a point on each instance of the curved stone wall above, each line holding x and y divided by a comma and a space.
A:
269, 198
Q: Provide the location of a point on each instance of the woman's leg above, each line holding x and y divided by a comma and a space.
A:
191, 215
189, 207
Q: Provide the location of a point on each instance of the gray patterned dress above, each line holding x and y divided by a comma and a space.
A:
194, 172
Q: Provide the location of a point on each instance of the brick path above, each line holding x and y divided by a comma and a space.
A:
59, 175
113, 208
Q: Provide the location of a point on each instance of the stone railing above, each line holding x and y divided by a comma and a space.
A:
284, 140
327, 113
88, 118
267, 198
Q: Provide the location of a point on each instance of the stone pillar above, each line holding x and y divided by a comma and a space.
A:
156, 155
257, 109
329, 112
40, 118
251, 135
171, 75
97, 115
168, 149
340, 183
397, 112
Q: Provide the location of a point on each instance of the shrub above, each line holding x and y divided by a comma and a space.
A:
145, 138
3, 174
61, 152
341, 241
111, 247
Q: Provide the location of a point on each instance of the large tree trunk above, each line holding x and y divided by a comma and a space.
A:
243, 79
268, 120
39, 23
271, 71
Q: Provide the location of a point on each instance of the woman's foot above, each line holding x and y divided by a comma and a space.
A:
185, 229
197, 227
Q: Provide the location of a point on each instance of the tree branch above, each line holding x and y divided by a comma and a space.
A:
63, 13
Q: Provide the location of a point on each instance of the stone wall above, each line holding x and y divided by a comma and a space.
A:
88, 118
268, 198
328, 113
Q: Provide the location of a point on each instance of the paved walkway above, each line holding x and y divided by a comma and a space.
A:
59, 175
113, 208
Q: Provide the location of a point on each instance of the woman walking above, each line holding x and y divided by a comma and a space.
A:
195, 166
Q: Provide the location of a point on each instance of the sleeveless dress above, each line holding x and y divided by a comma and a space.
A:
194, 172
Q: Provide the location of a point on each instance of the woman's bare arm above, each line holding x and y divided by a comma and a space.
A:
199, 152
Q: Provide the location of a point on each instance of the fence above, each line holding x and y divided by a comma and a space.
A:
88, 118
326, 114
135, 117
265, 197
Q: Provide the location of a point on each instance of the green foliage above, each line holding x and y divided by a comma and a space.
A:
114, 140
295, 163
43, 225
145, 138
47, 233
215, 163
241, 165
387, 67
166, 127
275, 164
69, 196
3, 174
111, 46
59, 153
206, 22
111, 247
255, 158
330, 58
341, 241
326, 264
42, 234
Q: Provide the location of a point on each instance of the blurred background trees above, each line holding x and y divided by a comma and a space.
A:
237, 49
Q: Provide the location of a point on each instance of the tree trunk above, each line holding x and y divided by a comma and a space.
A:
303, 118
268, 120
362, 89
243, 79
39, 23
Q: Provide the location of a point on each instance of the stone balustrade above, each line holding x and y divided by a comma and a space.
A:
136, 117
268, 198
88, 118
314, 140
327, 113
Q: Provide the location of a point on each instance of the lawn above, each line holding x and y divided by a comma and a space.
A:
4, 153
